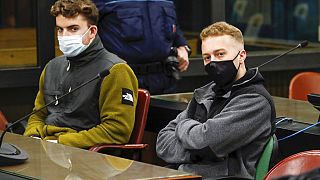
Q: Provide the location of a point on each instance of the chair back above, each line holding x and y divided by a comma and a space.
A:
132, 149
268, 158
295, 164
266, 161
303, 84
3, 122
141, 116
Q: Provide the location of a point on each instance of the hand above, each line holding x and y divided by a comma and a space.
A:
183, 58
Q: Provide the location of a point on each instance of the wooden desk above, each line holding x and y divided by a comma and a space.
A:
55, 161
300, 111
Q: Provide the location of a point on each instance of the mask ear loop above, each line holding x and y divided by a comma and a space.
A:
235, 59
239, 63
85, 34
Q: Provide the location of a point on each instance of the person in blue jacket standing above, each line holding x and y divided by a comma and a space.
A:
145, 33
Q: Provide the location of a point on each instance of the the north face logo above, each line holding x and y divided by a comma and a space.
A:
127, 96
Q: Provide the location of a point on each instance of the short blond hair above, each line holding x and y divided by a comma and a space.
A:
220, 29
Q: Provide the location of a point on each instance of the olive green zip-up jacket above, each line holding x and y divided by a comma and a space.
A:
102, 111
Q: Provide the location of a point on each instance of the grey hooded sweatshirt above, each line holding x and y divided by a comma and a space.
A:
221, 134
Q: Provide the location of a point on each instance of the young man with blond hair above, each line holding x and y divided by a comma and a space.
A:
228, 122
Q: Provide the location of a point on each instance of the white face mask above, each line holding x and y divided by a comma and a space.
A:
72, 45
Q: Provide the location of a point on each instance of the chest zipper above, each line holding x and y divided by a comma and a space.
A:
68, 68
57, 102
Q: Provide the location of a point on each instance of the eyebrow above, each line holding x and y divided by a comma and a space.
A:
217, 50
69, 27
214, 51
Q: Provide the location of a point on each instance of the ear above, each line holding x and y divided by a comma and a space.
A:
93, 31
243, 56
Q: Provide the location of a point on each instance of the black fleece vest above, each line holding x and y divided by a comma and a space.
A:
80, 109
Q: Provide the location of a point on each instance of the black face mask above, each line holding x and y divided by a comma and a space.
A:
223, 73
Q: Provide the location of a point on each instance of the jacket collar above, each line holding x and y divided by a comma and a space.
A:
252, 76
87, 55
206, 92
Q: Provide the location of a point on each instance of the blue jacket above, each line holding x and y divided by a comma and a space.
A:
139, 31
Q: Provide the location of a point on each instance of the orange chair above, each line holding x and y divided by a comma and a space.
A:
304, 83
3, 122
295, 164
135, 141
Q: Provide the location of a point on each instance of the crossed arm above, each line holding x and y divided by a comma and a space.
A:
242, 120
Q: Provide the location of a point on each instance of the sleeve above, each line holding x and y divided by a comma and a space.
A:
243, 119
179, 39
168, 146
117, 116
36, 121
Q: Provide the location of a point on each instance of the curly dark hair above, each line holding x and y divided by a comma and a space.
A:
72, 8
